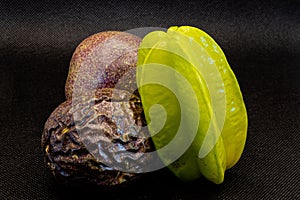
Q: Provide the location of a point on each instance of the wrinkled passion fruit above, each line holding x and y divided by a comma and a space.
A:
89, 137
65, 149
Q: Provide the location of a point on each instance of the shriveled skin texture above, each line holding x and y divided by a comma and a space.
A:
104, 119
100, 61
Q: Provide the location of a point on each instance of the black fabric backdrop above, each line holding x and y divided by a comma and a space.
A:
260, 39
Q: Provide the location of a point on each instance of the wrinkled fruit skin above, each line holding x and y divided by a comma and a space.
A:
101, 60
72, 145
66, 155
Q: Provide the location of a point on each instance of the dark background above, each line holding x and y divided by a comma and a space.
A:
260, 39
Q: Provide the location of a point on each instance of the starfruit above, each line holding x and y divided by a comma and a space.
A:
201, 112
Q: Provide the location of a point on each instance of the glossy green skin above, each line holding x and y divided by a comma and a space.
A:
234, 131
176, 49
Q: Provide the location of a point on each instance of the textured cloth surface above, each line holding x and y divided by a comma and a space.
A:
261, 42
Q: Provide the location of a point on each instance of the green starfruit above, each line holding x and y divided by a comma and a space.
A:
199, 99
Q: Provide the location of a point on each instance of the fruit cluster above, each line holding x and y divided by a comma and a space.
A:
184, 71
